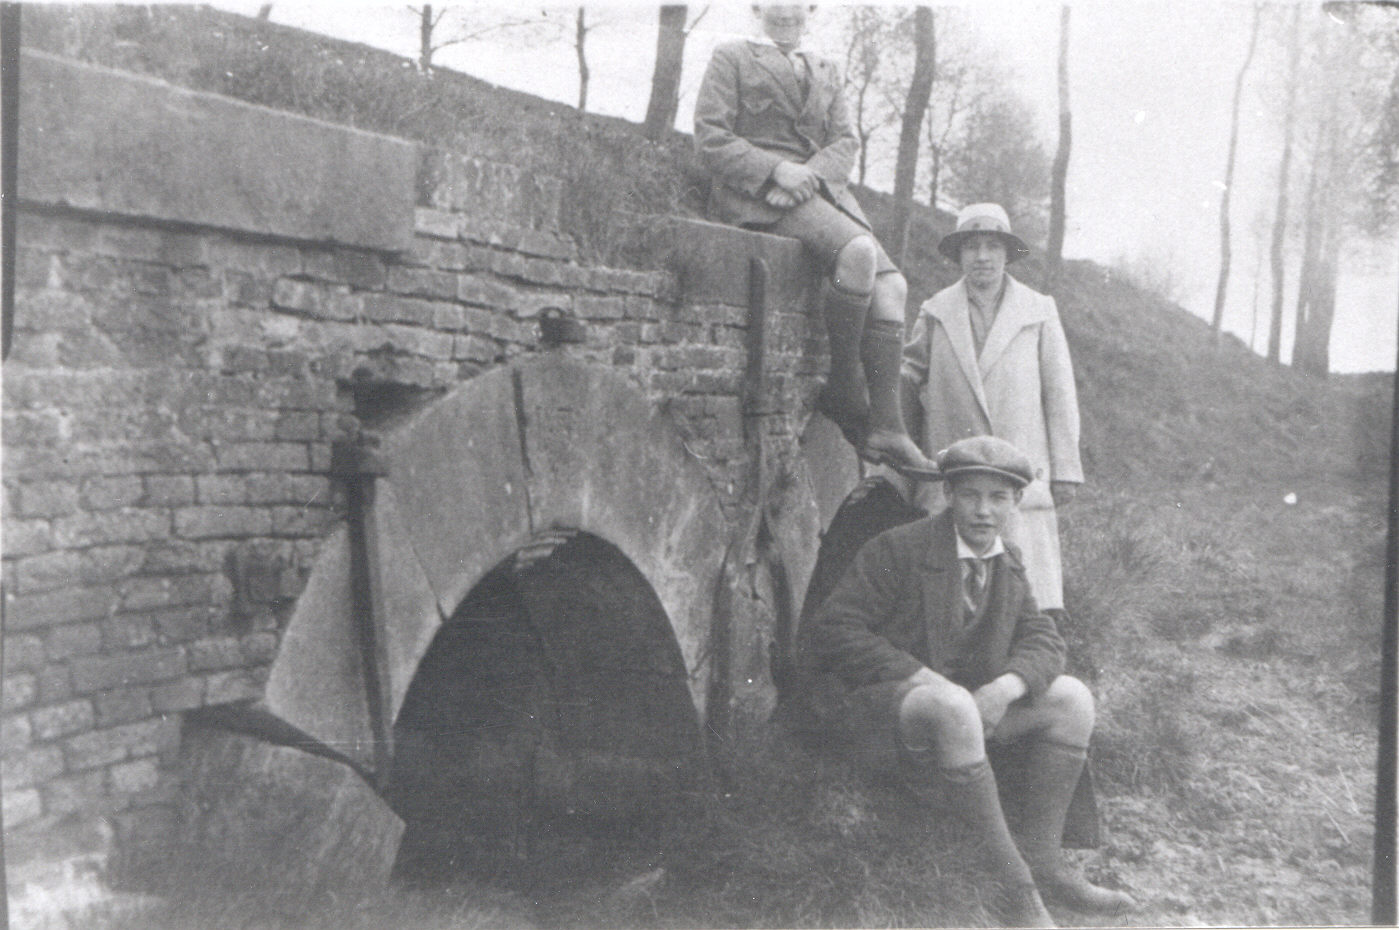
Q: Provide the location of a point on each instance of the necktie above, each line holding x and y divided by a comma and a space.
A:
800, 71
974, 583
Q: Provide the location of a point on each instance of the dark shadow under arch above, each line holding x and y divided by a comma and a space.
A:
549, 719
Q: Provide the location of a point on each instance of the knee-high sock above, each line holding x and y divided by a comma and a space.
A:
844, 397
971, 790
881, 352
1055, 769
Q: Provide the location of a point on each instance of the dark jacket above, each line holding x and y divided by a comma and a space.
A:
750, 115
899, 608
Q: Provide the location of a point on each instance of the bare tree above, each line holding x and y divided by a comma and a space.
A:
1278, 243
915, 105
869, 33
1357, 51
1059, 173
580, 37
665, 77
264, 11
965, 81
997, 157
430, 40
1224, 244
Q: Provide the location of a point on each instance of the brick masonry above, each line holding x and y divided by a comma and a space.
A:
172, 398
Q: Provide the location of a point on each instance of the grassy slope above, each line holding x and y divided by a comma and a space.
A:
1230, 635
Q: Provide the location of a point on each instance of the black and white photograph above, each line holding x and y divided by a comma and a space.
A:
506, 466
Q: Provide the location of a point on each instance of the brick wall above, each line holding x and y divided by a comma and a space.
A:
177, 383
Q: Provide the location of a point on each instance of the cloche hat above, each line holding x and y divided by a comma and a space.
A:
983, 218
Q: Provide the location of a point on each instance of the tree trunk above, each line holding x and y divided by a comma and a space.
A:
1311, 250
1313, 354
425, 25
1059, 174
1275, 251
1316, 293
580, 37
1224, 246
935, 169
665, 77
920, 88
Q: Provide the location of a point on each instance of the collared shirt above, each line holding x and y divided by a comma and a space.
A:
983, 317
966, 556
796, 57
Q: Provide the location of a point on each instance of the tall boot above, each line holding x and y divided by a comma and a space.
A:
971, 791
1054, 772
888, 442
844, 398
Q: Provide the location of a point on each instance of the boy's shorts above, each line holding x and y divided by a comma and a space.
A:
825, 229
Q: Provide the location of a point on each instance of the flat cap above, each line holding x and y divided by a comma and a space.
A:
988, 455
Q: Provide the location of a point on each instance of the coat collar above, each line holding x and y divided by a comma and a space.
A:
1018, 309
771, 59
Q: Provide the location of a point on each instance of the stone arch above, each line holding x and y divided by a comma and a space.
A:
549, 713
546, 443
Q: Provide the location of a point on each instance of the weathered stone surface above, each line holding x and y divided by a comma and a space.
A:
594, 447
459, 485
317, 680
279, 824
712, 262
411, 617
831, 464
105, 140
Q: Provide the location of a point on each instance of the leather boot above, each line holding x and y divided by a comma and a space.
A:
888, 442
844, 398
1054, 772
971, 791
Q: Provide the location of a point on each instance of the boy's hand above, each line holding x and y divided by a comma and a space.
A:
796, 179
994, 698
779, 198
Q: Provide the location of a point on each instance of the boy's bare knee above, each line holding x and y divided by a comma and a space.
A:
943, 712
1070, 701
890, 296
855, 265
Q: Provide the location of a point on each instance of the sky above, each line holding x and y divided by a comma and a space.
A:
1151, 87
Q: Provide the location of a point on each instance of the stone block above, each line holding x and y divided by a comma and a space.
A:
18, 692
123, 706
99, 139
445, 478
831, 465
97, 673
23, 653
21, 806
73, 639
62, 719
361, 270
15, 734
176, 696
283, 825
713, 262
33, 766
316, 683
409, 604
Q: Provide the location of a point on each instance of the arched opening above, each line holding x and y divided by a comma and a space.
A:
548, 727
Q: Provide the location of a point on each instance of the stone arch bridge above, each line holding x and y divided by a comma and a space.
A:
318, 440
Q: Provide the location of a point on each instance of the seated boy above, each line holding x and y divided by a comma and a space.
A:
771, 129
931, 646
